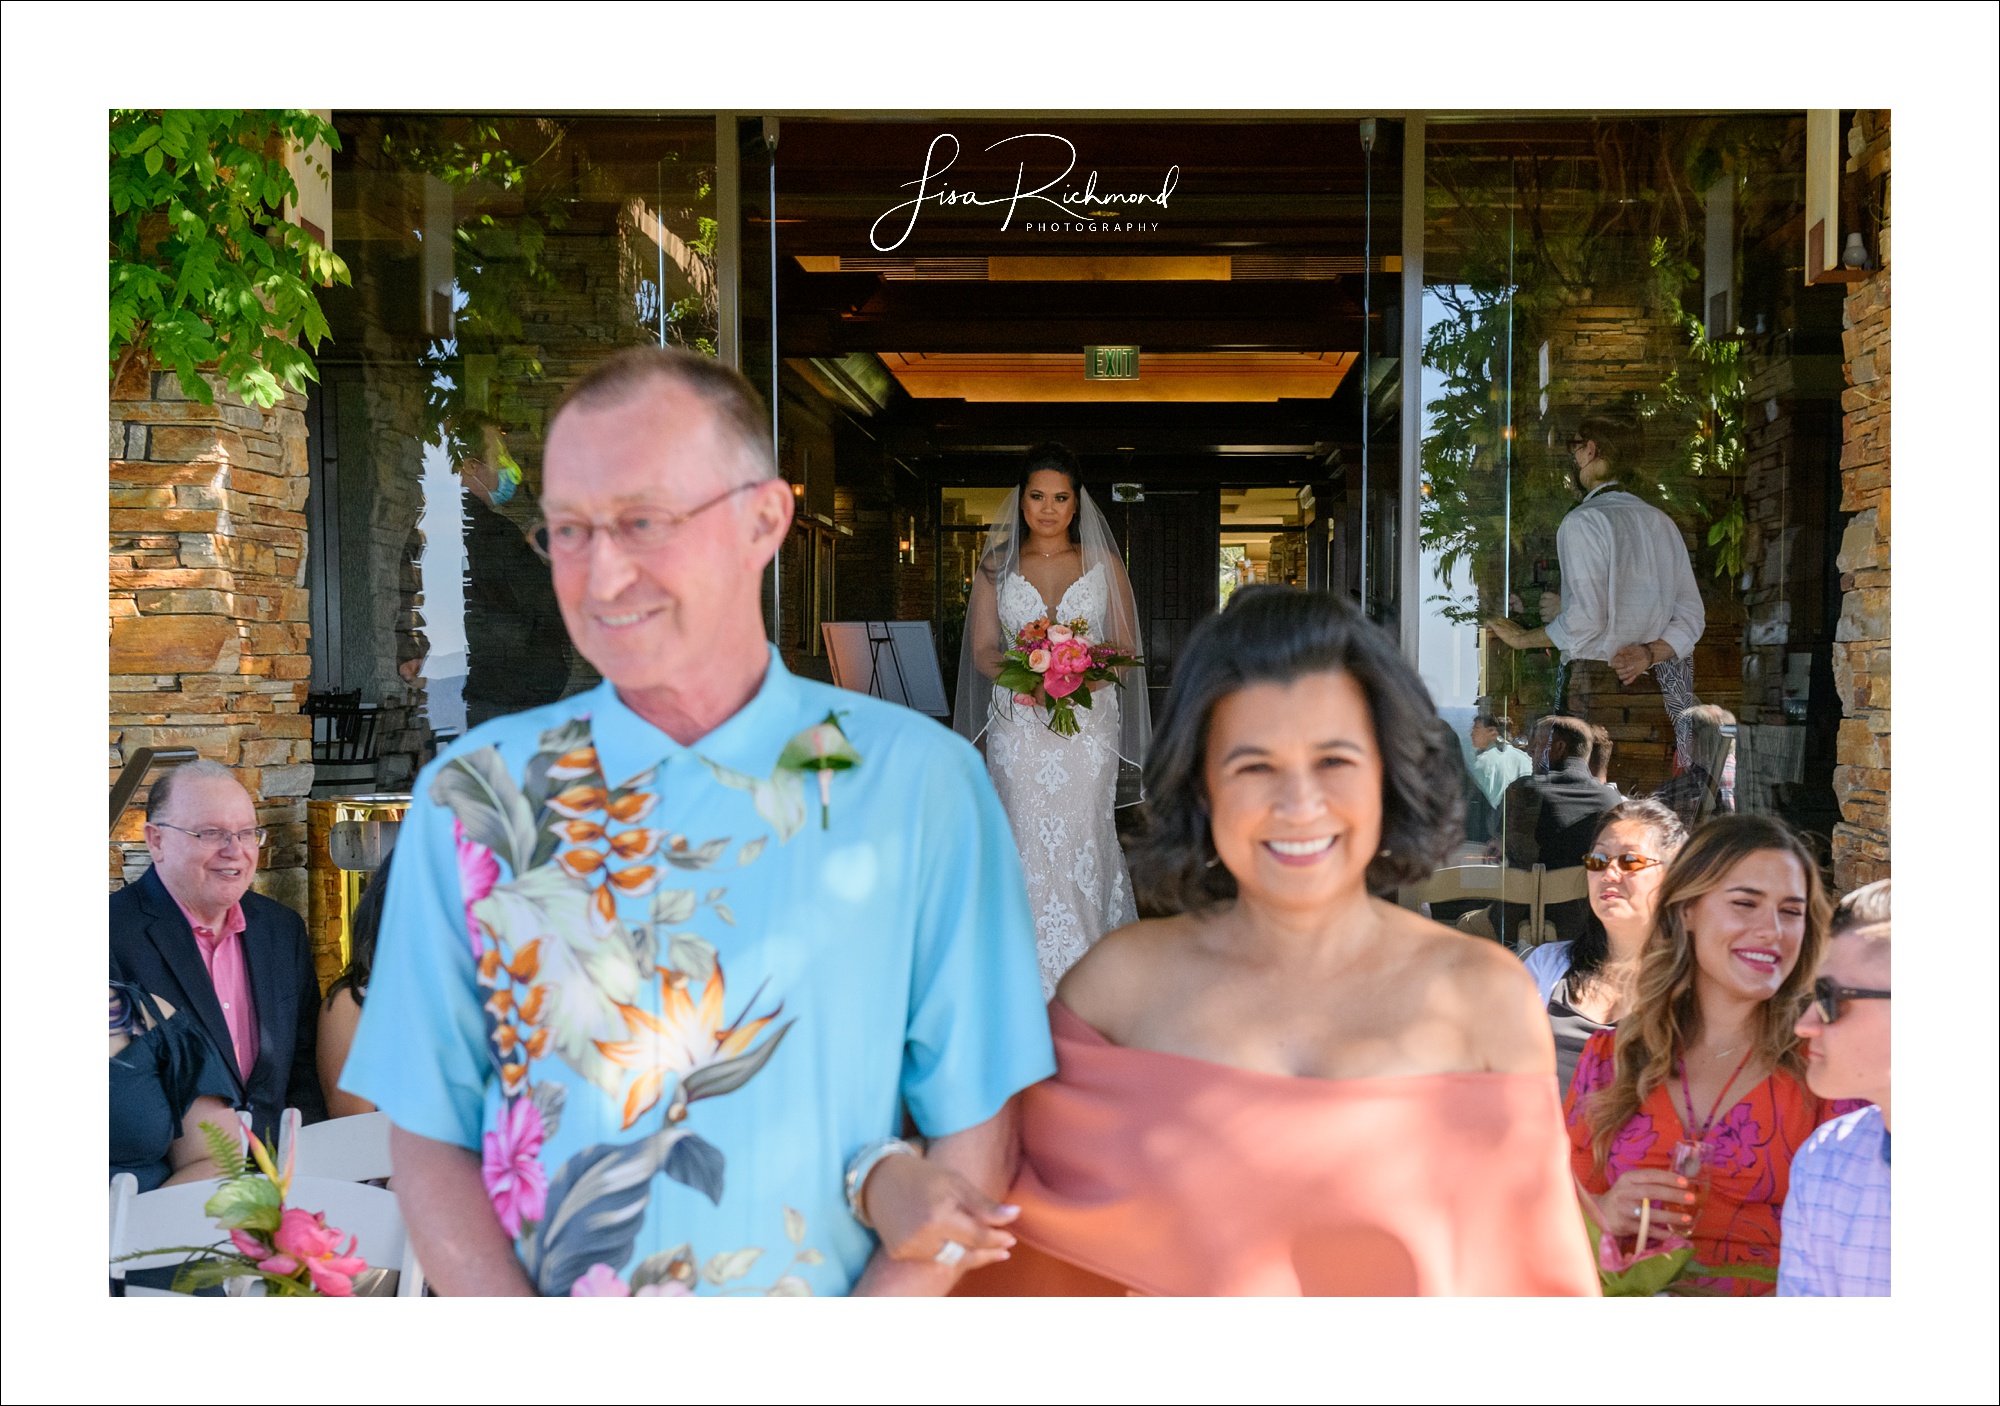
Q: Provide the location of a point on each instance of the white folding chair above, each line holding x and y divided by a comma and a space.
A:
173, 1215
340, 1149
1532, 888
1560, 886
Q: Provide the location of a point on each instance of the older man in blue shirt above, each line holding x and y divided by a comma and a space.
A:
663, 961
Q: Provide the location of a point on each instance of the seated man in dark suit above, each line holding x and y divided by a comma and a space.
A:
191, 933
1551, 814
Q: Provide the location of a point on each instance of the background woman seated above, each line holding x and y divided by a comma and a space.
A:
166, 1080
1586, 983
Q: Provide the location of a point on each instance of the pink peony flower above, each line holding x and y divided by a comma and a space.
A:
1061, 685
478, 872
600, 1281
1072, 656
1060, 634
1026, 700
250, 1245
1039, 660
516, 1182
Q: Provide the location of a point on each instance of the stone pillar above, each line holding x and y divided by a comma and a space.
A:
1861, 648
209, 630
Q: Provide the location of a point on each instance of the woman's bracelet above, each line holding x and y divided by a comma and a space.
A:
864, 1161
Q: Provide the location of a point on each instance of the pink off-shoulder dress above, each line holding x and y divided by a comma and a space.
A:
1162, 1174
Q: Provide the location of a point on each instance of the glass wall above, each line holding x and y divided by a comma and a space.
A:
1630, 428
493, 259
964, 516
1263, 540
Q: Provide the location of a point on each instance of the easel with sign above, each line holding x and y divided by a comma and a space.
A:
893, 660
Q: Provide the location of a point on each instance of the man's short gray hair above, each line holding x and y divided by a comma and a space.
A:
162, 794
739, 410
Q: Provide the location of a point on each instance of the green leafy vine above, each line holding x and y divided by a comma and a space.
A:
205, 270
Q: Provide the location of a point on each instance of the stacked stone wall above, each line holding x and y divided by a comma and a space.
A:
208, 620
1861, 648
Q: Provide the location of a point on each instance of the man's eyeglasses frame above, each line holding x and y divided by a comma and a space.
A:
252, 838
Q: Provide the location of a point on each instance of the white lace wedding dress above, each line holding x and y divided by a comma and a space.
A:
1059, 792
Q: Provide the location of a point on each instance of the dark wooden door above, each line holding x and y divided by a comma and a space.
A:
1174, 542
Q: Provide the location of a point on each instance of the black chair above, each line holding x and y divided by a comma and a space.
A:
343, 741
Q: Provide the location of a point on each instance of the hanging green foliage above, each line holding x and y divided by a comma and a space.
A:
205, 269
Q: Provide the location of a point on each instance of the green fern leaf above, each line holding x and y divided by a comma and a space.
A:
223, 1150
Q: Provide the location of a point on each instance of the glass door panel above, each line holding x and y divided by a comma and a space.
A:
1617, 338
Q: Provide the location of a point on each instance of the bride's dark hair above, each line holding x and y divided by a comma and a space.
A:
1055, 458
1275, 634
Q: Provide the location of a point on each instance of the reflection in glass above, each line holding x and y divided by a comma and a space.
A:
494, 259
1599, 276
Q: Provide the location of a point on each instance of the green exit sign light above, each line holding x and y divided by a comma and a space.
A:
1111, 363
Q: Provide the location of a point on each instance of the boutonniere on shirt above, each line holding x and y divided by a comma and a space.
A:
781, 800
822, 748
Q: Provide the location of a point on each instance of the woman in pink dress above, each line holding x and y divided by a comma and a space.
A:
1285, 1084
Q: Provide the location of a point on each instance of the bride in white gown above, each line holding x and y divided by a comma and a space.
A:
1050, 555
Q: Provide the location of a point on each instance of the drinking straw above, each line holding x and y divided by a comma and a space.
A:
1645, 1224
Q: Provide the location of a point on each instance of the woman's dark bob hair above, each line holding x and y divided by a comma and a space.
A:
1275, 634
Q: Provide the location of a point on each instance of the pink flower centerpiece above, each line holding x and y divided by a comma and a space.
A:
292, 1251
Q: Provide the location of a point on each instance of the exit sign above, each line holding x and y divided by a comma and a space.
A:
1111, 363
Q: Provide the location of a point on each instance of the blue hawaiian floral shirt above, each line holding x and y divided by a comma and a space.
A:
667, 992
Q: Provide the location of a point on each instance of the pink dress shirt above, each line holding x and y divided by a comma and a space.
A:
222, 954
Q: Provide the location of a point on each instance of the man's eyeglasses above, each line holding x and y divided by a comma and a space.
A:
1629, 863
253, 838
1829, 999
637, 531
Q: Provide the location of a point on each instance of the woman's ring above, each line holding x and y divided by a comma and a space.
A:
950, 1253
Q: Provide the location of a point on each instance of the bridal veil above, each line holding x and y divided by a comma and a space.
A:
985, 639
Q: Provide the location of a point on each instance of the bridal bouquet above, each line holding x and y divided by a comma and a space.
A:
1051, 665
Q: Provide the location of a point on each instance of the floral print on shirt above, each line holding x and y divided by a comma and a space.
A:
570, 979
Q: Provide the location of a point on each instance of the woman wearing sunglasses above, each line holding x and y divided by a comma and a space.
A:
1584, 983
1697, 1102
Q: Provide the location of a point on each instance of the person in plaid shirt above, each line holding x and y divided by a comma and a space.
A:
1836, 1220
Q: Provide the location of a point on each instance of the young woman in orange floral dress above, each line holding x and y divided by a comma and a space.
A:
1697, 1102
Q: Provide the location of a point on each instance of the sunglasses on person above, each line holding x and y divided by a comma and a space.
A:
1829, 999
1627, 863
